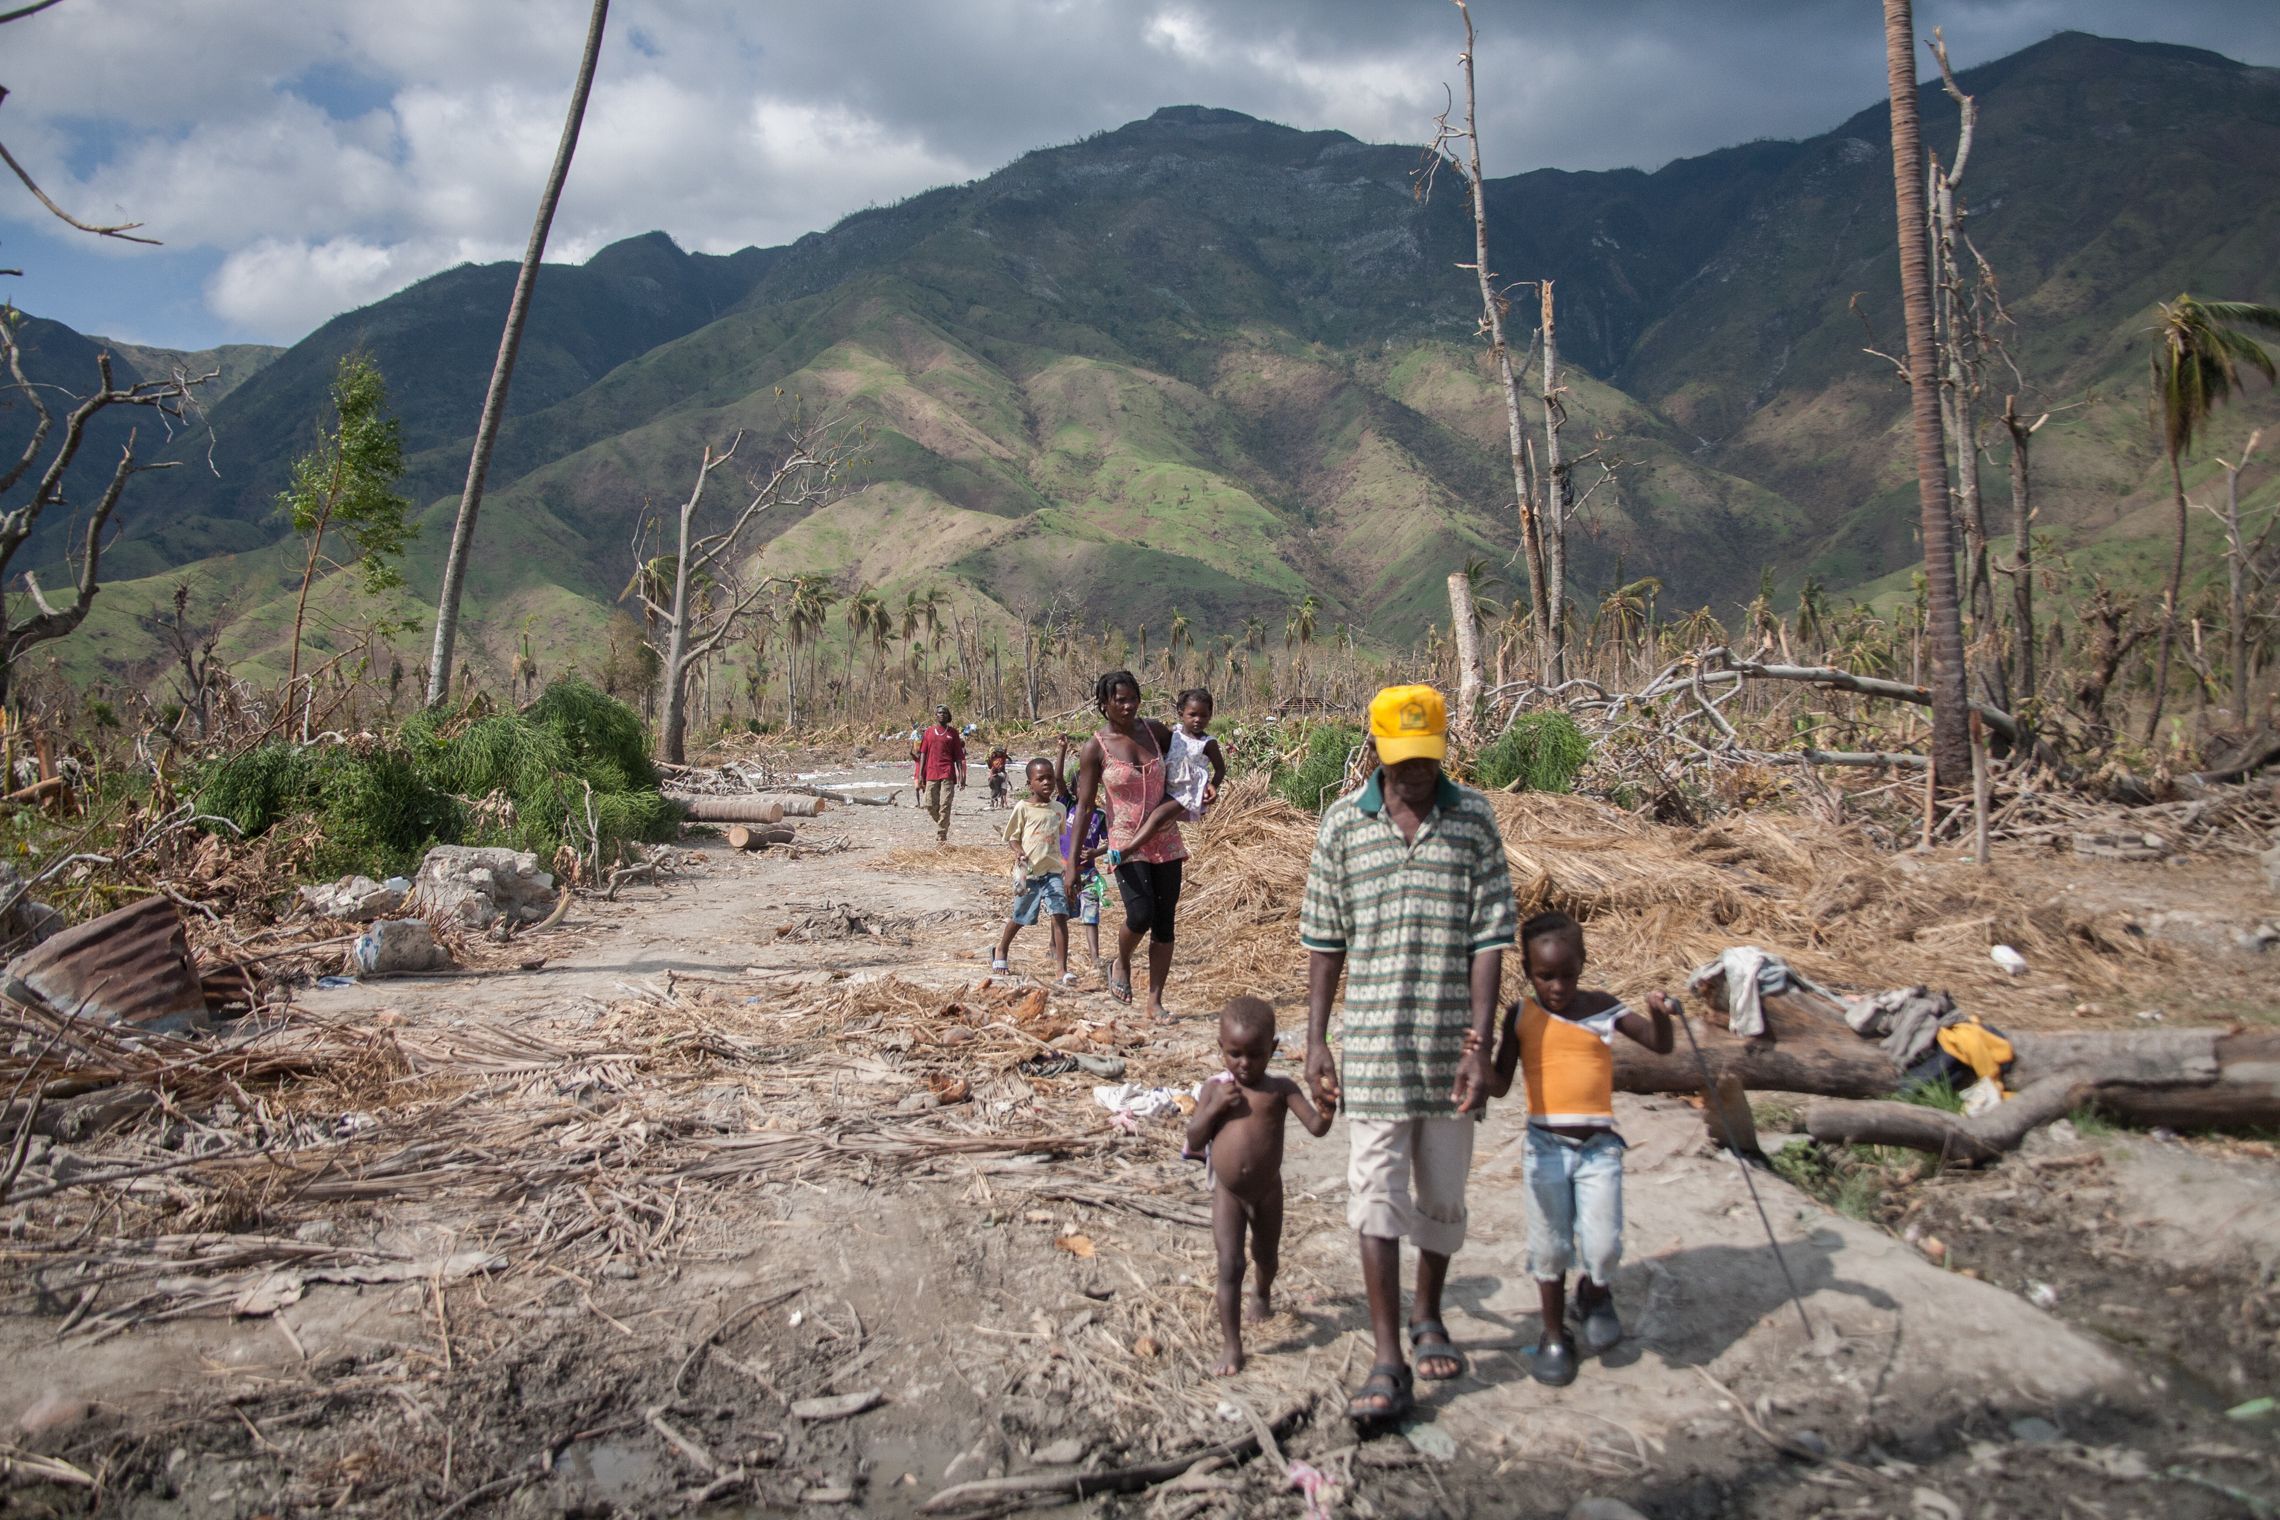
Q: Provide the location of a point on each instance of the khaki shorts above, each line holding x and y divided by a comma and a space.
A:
1405, 1178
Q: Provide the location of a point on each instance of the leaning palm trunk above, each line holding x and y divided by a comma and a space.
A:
1951, 738
503, 370
2169, 596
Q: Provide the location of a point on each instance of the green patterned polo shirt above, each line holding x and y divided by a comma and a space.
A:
1410, 917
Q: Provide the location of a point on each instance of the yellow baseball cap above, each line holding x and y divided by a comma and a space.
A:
1409, 723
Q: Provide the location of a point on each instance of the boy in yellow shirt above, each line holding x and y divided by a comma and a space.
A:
1034, 831
1562, 1037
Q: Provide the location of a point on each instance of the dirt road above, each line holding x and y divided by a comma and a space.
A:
767, 1205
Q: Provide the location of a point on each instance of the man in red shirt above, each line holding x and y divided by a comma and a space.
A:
938, 769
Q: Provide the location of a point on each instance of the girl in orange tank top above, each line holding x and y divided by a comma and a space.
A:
1561, 1035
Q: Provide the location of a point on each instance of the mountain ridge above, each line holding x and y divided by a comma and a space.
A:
1234, 356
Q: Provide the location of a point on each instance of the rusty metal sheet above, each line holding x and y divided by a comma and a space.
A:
131, 966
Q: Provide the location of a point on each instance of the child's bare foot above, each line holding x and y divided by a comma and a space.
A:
1230, 1364
1256, 1309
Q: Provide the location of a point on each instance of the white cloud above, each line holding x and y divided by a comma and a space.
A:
329, 151
290, 286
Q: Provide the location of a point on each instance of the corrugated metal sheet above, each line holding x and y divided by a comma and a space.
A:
131, 966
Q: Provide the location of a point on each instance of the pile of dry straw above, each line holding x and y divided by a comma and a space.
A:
1658, 900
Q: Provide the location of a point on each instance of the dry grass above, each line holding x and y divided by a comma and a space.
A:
974, 859
1659, 900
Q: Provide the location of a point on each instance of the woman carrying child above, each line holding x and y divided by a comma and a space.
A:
1561, 1035
1124, 761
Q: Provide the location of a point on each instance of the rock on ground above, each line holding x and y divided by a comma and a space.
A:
479, 885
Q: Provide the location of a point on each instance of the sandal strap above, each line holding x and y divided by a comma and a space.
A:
1389, 1384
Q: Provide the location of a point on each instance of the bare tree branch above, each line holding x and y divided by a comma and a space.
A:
123, 231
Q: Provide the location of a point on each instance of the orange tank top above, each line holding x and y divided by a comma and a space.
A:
1569, 1065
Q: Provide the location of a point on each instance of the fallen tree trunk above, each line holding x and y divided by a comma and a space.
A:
713, 809
2178, 1078
1951, 1137
758, 836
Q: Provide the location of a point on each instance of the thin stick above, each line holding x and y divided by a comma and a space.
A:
1703, 1064
1979, 788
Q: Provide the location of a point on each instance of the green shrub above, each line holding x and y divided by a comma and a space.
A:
1320, 772
528, 781
1543, 750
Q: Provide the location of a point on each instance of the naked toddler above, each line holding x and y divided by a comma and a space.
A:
1238, 1127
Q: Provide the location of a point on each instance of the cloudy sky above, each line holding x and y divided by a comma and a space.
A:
301, 157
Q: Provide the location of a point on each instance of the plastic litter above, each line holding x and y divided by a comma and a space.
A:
1138, 1100
2012, 962
396, 947
336, 981
1312, 1485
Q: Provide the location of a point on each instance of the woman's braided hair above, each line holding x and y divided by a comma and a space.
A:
1105, 687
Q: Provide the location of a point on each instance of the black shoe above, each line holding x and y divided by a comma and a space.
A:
1553, 1362
1602, 1328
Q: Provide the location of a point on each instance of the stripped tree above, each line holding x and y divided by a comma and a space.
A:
700, 552
1541, 548
35, 483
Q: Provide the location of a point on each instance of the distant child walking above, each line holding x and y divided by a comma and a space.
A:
1562, 1037
1034, 831
998, 762
1238, 1127
1193, 766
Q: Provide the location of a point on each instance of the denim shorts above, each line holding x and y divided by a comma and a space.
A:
1575, 1204
1040, 893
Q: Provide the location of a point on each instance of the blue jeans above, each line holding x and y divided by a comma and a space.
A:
1575, 1204
1040, 894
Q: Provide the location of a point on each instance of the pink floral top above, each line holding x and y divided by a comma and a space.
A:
1133, 792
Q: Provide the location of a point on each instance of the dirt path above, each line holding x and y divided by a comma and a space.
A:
1016, 1310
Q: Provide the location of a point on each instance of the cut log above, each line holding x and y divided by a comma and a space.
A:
743, 836
710, 809
1726, 1115
861, 799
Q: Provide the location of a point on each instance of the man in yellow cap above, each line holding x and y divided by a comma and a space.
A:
1409, 898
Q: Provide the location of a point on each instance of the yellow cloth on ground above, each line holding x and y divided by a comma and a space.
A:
1978, 1047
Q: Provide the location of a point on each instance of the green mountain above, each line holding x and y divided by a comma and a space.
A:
1211, 362
231, 364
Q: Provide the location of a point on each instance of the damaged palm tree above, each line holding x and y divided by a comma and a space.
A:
676, 568
49, 489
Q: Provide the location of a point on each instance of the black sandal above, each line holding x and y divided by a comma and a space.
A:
1389, 1383
1430, 1338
